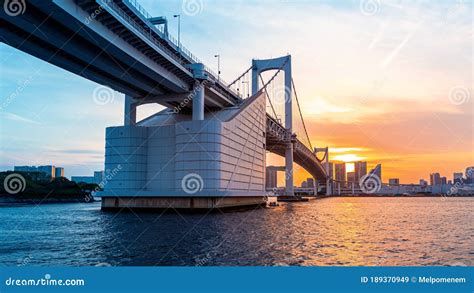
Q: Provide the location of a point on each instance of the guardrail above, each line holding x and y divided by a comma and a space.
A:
179, 47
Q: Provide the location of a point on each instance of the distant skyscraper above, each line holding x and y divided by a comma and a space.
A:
457, 177
351, 176
340, 171
310, 182
97, 178
470, 175
394, 181
271, 178
443, 181
435, 179
360, 169
48, 169
331, 169
59, 172
423, 182
304, 184
377, 171
25, 168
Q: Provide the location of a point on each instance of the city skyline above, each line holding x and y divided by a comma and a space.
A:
361, 104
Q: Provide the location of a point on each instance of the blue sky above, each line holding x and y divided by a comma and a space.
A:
357, 67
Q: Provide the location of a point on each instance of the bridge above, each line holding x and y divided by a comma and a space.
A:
207, 148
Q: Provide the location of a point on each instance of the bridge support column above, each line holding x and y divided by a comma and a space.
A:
289, 190
130, 111
282, 63
198, 102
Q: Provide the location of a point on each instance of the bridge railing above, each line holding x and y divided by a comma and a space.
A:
183, 51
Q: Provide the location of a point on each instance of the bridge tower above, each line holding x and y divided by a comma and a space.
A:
281, 63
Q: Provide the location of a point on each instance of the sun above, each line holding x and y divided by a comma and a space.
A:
348, 158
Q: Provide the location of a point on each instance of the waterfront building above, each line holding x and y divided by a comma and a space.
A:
310, 182
470, 175
423, 182
351, 176
271, 180
360, 169
457, 177
435, 179
331, 169
98, 176
25, 169
96, 179
340, 171
48, 169
304, 184
394, 181
59, 172
443, 181
377, 171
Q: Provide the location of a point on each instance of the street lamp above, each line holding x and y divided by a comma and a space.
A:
218, 66
179, 32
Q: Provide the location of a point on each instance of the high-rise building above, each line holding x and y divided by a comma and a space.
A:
457, 177
435, 179
48, 169
98, 176
310, 182
377, 171
351, 176
423, 182
360, 169
340, 171
59, 172
304, 184
470, 175
271, 178
444, 181
331, 169
394, 181
25, 168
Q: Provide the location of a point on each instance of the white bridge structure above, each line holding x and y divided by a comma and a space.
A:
208, 147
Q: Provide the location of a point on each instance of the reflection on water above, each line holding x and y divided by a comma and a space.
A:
336, 231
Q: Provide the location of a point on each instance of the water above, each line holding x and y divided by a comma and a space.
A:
336, 231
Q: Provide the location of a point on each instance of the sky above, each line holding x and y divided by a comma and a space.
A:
387, 82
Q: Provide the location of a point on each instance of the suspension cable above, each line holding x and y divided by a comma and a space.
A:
301, 114
240, 76
268, 97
